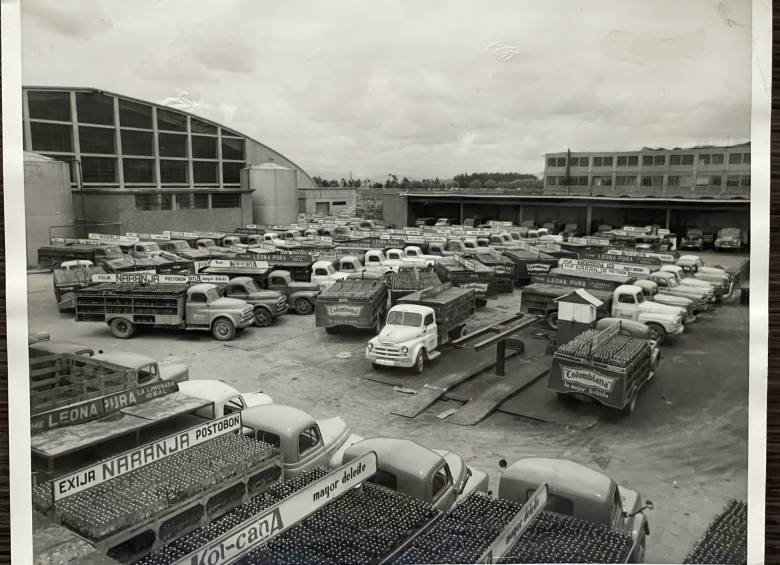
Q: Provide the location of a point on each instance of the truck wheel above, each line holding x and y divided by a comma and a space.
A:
263, 317
330, 330
657, 333
629, 408
419, 363
481, 302
552, 320
303, 307
122, 328
639, 554
223, 329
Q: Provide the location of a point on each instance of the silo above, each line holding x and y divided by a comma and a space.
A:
275, 196
47, 200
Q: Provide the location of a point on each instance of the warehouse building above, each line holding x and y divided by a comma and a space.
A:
145, 167
703, 187
327, 200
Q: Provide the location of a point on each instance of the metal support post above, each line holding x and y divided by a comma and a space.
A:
501, 357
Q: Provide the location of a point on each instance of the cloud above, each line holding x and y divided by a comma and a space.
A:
427, 89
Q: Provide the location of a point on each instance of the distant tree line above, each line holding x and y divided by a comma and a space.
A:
465, 180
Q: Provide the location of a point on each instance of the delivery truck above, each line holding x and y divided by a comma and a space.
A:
355, 302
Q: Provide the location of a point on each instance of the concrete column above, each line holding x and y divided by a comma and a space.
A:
26, 121
156, 142
668, 217
190, 172
588, 218
461, 213
520, 211
120, 169
219, 158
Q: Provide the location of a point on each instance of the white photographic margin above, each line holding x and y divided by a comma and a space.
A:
16, 280
761, 105
16, 287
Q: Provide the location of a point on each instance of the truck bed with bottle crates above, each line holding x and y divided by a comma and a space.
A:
539, 298
366, 525
410, 279
66, 283
160, 305
529, 262
468, 273
64, 379
359, 303
606, 366
505, 268
131, 515
452, 306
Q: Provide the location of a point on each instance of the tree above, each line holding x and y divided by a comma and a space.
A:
491, 184
377, 185
476, 183
333, 183
318, 181
405, 183
455, 184
416, 184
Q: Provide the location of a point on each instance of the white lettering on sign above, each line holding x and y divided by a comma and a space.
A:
214, 279
537, 268
592, 380
603, 267
515, 528
141, 456
261, 528
141, 278
344, 310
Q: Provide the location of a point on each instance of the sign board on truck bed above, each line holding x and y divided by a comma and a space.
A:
564, 281
153, 278
515, 528
622, 258
605, 267
128, 461
261, 528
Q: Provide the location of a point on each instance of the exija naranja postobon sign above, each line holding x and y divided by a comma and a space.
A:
128, 461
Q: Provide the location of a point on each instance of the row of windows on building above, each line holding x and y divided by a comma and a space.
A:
104, 170
48, 137
187, 200
649, 181
686, 159
96, 108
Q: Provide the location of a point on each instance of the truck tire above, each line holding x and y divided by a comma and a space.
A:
303, 307
657, 332
629, 408
419, 362
122, 328
552, 320
639, 554
330, 330
481, 302
458, 332
263, 317
223, 329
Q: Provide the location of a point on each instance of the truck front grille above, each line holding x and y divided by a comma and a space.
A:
388, 352
281, 305
246, 316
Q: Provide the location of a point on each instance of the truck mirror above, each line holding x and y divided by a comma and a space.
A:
502, 463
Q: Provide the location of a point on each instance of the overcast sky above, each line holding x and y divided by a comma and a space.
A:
420, 88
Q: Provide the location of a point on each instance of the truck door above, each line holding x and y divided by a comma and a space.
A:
310, 448
197, 314
147, 374
625, 306
431, 333
443, 493
235, 291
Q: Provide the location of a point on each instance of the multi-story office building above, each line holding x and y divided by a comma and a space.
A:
705, 172
148, 167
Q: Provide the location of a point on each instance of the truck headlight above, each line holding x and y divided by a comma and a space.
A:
404, 349
370, 346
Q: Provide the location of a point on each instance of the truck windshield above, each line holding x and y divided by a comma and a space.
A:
672, 282
212, 294
112, 251
251, 286
152, 248
640, 297
398, 318
730, 232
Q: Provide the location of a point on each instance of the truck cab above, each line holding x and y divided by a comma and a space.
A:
454, 247
685, 280
235, 242
693, 239
436, 476
375, 258
694, 266
628, 303
410, 332
266, 304
571, 230
350, 264
581, 492
443, 222
414, 253
301, 296
650, 290
730, 239
305, 443
147, 368
667, 283
182, 249
206, 307
324, 274
215, 251
226, 399
76, 265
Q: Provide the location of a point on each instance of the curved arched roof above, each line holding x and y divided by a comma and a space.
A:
231, 131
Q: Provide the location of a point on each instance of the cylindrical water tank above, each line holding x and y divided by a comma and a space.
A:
275, 196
